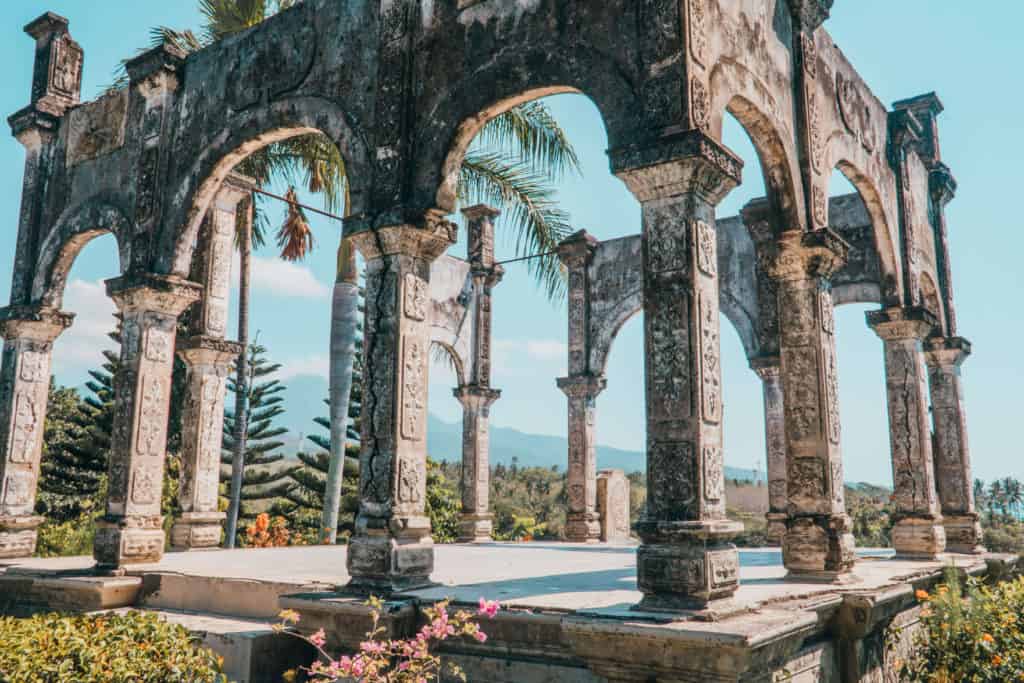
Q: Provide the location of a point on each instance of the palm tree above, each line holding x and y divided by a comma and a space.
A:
1013, 493
512, 164
995, 498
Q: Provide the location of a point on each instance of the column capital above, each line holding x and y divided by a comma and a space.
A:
203, 349
942, 184
808, 15
425, 243
167, 294
946, 351
33, 322
902, 323
679, 163
767, 367
582, 386
33, 127
233, 190
156, 69
476, 396
480, 211
799, 255
576, 250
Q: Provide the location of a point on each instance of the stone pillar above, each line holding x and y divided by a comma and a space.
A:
209, 361
583, 524
24, 393
475, 522
769, 369
131, 532
818, 542
952, 455
686, 558
918, 531
392, 549
613, 505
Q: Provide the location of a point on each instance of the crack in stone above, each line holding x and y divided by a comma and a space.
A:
371, 371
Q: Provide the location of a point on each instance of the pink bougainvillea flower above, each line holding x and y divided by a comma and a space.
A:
318, 639
488, 608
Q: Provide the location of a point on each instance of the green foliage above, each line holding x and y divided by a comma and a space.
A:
69, 538
51, 648
72, 470
265, 480
1004, 537
443, 503
528, 502
969, 632
870, 510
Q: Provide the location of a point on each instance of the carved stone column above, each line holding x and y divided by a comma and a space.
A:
131, 532
209, 361
686, 558
475, 522
583, 523
769, 369
918, 531
392, 549
24, 392
818, 543
952, 455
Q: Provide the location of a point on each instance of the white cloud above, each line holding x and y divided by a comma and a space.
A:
283, 279
537, 349
315, 365
79, 348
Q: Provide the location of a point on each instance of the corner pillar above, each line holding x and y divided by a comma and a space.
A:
686, 559
944, 357
131, 531
583, 523
208, 362
918, 531
392, 548
476, 520
769, 369
24, 392
818, 543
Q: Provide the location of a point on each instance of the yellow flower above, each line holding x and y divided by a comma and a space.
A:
922, 594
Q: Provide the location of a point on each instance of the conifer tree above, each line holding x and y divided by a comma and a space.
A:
265, 480
72, 470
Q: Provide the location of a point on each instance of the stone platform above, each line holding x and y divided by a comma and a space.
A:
568, 608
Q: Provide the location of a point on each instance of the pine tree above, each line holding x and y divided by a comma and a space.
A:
72, 470
265, 480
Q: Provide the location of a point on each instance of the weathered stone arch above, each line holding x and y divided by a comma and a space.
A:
735, 90
441, 342
454, 118
891, 278
931, 299
76, 227
248, 132
621, 313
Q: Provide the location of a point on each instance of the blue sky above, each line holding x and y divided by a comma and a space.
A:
902, 49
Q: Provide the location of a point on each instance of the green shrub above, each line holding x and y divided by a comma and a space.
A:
969, 633
136, 647
66, 539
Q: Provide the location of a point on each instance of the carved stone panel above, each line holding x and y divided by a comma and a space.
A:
832, 394
723, 568
146, 486
808, 482
800, 385
417, 297
700, 104
24, 428
410, 481
707, 249
33, 366
669, 350
159, 346
152, 417
711, 372
667, 247
714, 473
697, 24
19, 488
797, 319
671, 476
414, 390
66, 67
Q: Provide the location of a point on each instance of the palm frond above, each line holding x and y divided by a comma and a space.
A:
531, 133
295, 238
530, 207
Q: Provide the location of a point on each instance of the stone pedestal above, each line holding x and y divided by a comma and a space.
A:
918, 531
769, 369
818, 543
955, 484
24, 392
583, 523
475, 523
392, 549
613, 505
208, 361
686, 559
131, 531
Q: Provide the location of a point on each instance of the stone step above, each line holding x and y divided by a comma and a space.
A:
253, 652
229, 597
24, 593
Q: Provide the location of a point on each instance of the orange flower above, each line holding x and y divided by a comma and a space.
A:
262, 521
922, 594
988, 638
997, 660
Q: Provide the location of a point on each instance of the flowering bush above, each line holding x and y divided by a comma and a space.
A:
51, 648
969, 633
265, 533
380, 660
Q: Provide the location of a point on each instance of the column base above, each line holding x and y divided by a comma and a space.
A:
963, 534
776, 529
18, 536
819, 548
475, 527
583, 527
121, 542
687, 565
916, 538
197, 531
383, 564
